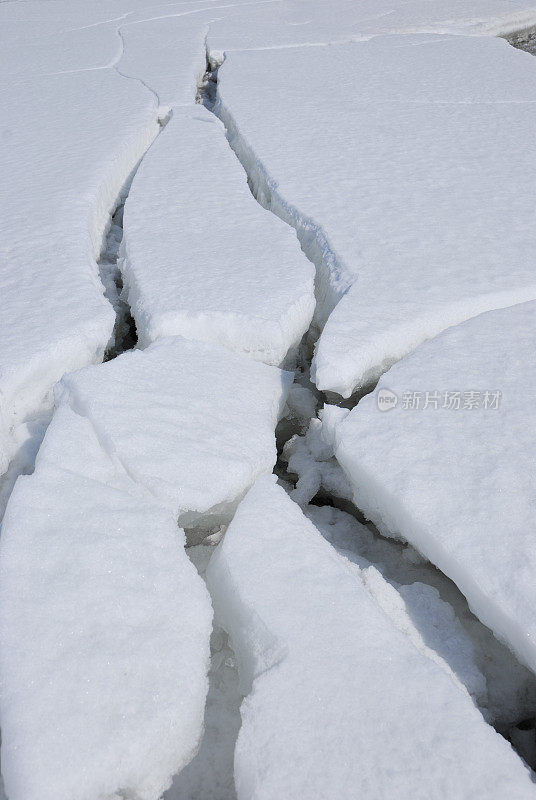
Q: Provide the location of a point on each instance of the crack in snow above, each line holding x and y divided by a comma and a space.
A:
510, 687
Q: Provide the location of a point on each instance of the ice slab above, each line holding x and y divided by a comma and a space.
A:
336, 703
104, 625
416, 216
201, 258
192, 423
167, 53
451, 467
64, 166
286, 24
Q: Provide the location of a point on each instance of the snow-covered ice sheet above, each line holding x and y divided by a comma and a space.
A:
338, 706
201, 258
104, 625
68, 144
407, 173
309, 22
191, 422
167, 53
457, 481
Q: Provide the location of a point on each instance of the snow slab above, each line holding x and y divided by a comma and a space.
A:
336, 691
105, 629
167, 53
260, 26
201, 258
68, 145
415, 214
192, 423
457, 482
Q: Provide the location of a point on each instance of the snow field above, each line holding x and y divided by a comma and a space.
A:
403, 162
424, 217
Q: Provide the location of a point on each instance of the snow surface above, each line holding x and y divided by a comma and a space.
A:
66, 162
167, 53
309, 22
458, 483
336, 707
192, 423
404, 163
413, 199
201, 258
104, 626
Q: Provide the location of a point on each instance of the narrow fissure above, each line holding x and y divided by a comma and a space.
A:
502, 688
124, 336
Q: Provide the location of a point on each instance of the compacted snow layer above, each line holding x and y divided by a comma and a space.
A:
104, 625
341, 703
192, 423
452, 473
258, 26
167, 53
406, 173
68, 144
202, 259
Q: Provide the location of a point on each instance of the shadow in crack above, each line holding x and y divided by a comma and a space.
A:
209, 776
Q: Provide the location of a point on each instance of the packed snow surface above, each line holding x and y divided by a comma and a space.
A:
192, 423
202, 259
406, 173
104, 625
336, 706
451, 467
286, 23
167, 53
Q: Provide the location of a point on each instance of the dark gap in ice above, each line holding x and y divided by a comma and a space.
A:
208, 87
124, 336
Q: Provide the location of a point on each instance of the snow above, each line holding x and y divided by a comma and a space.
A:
104, 626
325, 715
309, 22
192, 423
415, 216
65, 161
458, 483
201, 258
167, 53
311, 458
436, 615
394, 139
